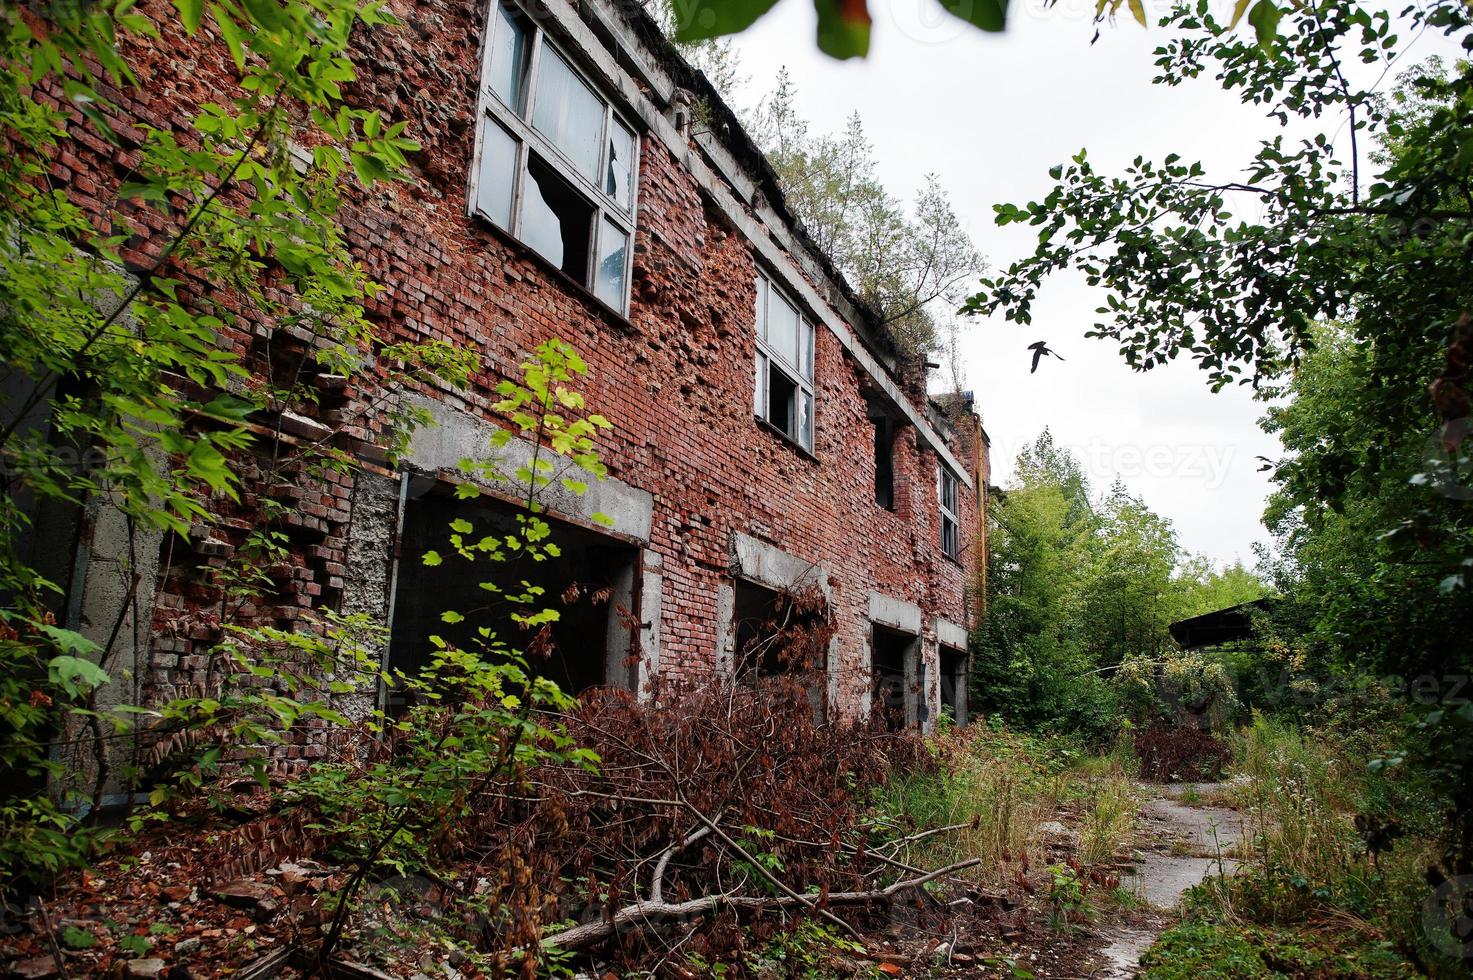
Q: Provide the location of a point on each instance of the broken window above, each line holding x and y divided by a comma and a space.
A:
555, 220
784, 388
950, 525
557, 166
779, 635
895, 681
954, 683
591, 584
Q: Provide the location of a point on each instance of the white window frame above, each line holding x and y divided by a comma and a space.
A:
951, 544
517, 123
769, 356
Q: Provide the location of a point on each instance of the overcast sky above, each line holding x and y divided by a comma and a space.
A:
990, 114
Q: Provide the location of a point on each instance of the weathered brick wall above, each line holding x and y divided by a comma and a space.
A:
676, 377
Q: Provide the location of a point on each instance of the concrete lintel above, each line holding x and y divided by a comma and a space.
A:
949, 634
456, 435
897, 614
769, 565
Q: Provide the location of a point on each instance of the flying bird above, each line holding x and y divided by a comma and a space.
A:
1039, 350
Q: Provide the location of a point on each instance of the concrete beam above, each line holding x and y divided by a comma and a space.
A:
949, 634
456, 436
897, 614
769, 565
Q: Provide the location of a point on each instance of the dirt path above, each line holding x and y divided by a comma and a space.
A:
1184, 843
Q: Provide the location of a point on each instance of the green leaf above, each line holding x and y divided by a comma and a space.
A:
451, 616
700, 20
432, 558
1238, 11
843, 28
1265, 20
1138, 11
231, 32
74, 938
137, 945
70, 641
989, 15
190, 12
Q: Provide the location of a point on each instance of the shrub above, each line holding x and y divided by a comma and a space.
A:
1170, 754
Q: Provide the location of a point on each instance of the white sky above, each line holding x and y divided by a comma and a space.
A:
990, 114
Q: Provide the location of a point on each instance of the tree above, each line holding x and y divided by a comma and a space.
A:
1078, 587
1044, 462
1128, 601
907, 267
1203, 588
1183, 276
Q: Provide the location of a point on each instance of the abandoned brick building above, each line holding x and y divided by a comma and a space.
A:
578, 179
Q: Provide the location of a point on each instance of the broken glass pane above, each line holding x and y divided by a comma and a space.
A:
782, 401
759, 397
613, 247
498, 168
619, 182
555, 220
805, 420
762, 307
568, 113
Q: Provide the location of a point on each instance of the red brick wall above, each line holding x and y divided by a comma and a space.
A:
676, 377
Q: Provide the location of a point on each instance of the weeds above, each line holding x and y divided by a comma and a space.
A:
993, 787
1067, 901
1109, 816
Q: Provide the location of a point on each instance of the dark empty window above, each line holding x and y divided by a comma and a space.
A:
893, 683
773, 636
781, 645
884, 462
590, 584
954, 684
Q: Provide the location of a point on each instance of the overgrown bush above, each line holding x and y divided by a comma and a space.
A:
1171, 754
717, 813
1328, 838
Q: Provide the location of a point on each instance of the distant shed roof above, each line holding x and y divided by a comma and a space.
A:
1222, 626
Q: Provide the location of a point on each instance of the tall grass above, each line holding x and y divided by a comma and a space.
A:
1000, 787
992, 784
1109, 817
1305, 862
1298, 802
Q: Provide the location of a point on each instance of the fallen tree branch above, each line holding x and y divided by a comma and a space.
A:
657, 882
644, 913
895, 845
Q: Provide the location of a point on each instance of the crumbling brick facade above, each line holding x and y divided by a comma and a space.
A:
707, 495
